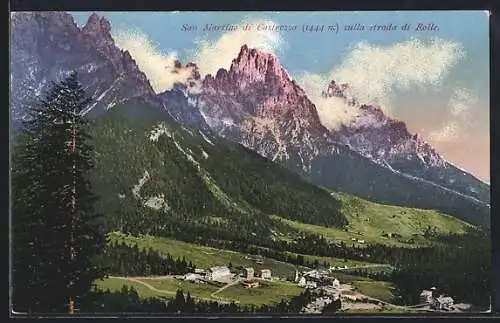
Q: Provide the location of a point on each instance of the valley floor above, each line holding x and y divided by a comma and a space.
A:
357, 296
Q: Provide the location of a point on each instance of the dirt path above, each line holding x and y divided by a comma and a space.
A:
162, 291
136, 280
234, 282
213, 297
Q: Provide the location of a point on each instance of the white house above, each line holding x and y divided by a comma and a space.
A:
216, 273
192, 277
302, 282
443, 303
350, 297
311, 284
265, 274
249, 272
336, 283
426, 296
312, 274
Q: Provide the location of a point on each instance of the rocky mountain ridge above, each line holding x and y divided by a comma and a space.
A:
255, 103
47, 46
388, 142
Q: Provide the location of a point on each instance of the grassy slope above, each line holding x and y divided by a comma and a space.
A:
266, 293
115, 285
170, 285
368, 221
343, 262
376, 289
195, 289
201, 256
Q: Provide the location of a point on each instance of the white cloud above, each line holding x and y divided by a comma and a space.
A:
461, 102
210, 56
332, 111
460, 105
374, 71
158, 66
448, 132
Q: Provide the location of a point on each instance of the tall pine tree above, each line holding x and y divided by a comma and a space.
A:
55, 230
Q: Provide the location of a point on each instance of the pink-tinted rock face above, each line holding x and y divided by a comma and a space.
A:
256, 103
380, 137
47, 46
258, 86
388, 142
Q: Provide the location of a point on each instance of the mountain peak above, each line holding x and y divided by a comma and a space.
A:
262, 88
49, 45
98, 27
256, 64
385, 139
339, 90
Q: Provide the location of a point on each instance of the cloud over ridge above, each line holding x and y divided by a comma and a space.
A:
210, 56
158, 66
373, 71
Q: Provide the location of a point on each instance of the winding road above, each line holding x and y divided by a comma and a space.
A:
169, 292
232, 283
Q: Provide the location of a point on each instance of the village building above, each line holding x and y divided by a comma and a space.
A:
311, 284
443, 303
249, 273
335, 283
350, 297
217, 273
250, 284
265, 274
426, 296
302, 282
199, 271
312, 274
192, 277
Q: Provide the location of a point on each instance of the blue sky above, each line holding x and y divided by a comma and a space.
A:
164, 28
436, 81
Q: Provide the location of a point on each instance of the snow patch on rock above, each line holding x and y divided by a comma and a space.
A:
157, 202
159, 130
206, 138
137, 188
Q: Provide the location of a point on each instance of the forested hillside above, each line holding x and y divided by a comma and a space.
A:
153, 172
